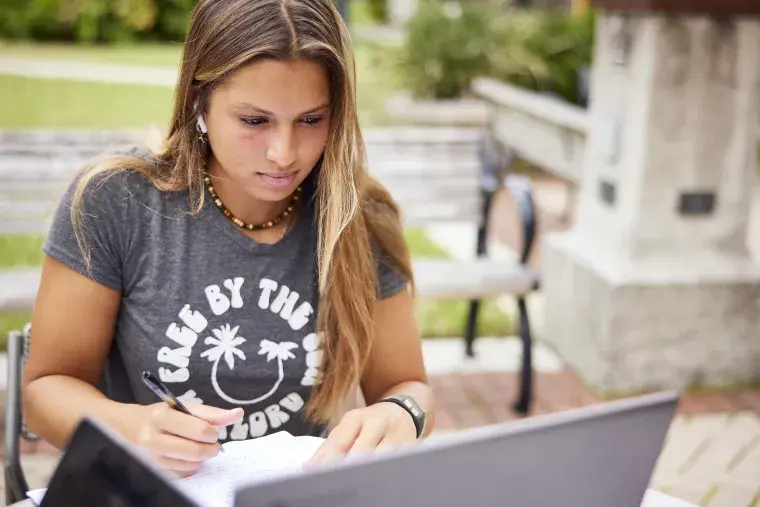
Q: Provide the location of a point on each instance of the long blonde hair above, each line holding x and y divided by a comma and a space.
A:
354, 212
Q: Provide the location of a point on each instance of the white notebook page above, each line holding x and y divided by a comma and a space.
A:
246, 462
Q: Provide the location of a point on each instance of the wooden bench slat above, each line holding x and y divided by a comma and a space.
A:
16, 190
415, 213
418, 214
37, 168
414, 195
476, 278
29, 208
435, 278
18, 288
430, 152
31, 227
430, 168
396, 133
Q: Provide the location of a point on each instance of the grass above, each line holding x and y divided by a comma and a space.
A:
59, 103
377, 78
19, 251
437, 318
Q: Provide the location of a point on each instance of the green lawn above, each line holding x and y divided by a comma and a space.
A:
17, 250
59, 103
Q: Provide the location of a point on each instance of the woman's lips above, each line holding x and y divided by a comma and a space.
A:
277, 180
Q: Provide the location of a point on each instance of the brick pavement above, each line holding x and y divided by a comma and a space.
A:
711, 455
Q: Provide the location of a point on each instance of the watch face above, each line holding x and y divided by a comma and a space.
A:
415, 408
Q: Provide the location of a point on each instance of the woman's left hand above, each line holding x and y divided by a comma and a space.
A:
380, 427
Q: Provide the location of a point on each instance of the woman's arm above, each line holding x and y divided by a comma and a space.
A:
72, 328
395, 367
395, 364
72, 331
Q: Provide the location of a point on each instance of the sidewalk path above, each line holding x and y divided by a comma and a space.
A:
88, 71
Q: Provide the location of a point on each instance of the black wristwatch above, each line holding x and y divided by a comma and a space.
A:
414, 409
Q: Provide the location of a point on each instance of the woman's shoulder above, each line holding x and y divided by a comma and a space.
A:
116, 177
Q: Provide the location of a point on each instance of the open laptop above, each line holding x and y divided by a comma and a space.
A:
598, 456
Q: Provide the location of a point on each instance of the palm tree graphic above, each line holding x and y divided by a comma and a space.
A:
225, 345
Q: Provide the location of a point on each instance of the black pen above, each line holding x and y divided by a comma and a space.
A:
158, 387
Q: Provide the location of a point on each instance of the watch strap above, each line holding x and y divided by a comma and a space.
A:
413, 408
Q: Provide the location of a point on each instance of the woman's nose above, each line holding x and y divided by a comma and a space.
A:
282, 149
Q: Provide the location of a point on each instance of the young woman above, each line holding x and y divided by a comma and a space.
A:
250, 262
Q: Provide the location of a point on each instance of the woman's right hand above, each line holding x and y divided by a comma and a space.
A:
180, 443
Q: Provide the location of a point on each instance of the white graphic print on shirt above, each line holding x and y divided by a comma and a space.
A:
223, 342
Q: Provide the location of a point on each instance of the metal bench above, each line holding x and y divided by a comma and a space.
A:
435, 174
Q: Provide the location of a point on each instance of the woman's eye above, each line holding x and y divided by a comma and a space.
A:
253, 122
312, 120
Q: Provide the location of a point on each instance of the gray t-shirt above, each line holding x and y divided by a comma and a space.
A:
220, 318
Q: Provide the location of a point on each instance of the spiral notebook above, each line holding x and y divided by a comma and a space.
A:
243, 462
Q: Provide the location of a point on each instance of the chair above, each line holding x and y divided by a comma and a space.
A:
15, 429
114, 384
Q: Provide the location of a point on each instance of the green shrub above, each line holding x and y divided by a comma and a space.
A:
544, 51
447, 45
378, 10
173, 19
26, 19
538, 50
95, 20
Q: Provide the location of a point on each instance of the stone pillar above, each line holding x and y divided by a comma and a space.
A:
654, 286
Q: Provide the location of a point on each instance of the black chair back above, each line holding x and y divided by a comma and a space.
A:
113, 384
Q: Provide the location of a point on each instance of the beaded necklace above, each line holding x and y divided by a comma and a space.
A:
252, 227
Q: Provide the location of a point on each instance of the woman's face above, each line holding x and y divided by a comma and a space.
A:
268, 125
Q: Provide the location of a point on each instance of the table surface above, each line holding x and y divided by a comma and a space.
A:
652, 498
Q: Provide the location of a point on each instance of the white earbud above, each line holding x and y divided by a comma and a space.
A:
202, 124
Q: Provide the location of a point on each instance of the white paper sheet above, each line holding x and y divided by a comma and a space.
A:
36, 495
243, 462
246, 462
654, 498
